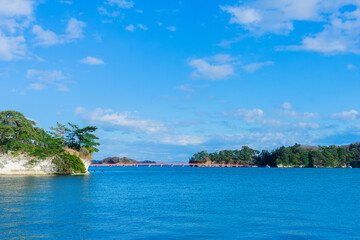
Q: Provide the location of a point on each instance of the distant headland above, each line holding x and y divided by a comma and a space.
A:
116, 160
294, 156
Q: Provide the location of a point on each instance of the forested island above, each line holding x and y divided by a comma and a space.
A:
294, 156
64, 148
115, 160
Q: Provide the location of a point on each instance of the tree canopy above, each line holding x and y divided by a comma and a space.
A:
292, 156
19, 134
244, 156
76, 138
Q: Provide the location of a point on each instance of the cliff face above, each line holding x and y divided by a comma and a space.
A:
27, 165
84, 156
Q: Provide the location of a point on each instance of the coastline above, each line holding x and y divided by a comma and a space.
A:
25, 165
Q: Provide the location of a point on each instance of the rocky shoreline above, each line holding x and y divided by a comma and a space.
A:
22, 164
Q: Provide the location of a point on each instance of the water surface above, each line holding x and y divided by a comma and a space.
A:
183, 203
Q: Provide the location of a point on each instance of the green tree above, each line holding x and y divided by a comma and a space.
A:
59, 131
14, 125
77, 138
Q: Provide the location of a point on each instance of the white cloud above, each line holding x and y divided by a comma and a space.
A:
15, 8
351, 66
265, 140
122, 121
92, 61
256, 66
276, 123
37, 86
130, 28
47, 78
140, 131
62, 88
45, 37
211, 68
247, 115
12, 47
11, 25
340, 35
226, 43
286, 125
288, 112
15, 15
341, 26
186, 88
222, 58
286, 105
143, 27
66, 2
180, 140
307, 125
296, 115
346, 115
277, 16
171, 28
242, 15
104, 11
45, 75
74, 30
121, 3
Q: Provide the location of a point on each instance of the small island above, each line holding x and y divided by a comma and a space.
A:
29, 150
117, 160
294, 156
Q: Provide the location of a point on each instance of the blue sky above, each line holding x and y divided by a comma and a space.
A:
165, 79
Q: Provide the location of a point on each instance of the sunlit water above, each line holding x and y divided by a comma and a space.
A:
183, 203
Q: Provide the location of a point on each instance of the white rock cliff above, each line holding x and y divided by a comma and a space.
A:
27, 165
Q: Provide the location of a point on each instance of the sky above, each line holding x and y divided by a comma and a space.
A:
163, 79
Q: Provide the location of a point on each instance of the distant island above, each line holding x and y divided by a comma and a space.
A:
114, 160
294, 156
27, 149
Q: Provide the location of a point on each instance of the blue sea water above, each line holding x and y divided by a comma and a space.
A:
183, 203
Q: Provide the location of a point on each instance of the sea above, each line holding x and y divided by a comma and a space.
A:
183, 203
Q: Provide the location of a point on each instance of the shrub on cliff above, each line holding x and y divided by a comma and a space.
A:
68, 164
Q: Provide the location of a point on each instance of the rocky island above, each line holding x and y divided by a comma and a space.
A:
29, 150
116, 160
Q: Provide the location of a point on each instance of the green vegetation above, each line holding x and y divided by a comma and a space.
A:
309, 156
293, 156
20, 135
76, 138
244, 156
111, 160
118, 160
69, 163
